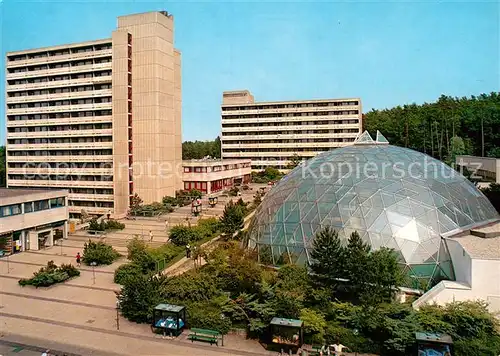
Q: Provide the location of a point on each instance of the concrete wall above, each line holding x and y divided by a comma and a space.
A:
30, 220
461, 262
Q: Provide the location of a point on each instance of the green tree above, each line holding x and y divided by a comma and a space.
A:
494, 152
232, 219
136, 203
457, 148
139, 295
383, 276
201, 149
314, 326
329, 256
295, 160
356, 264
493, 194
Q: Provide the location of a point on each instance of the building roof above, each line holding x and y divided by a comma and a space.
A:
286, 322
480, 248
16, 192
441, 338
169, 307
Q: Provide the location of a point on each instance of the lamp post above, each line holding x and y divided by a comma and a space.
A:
93, 264
117, 315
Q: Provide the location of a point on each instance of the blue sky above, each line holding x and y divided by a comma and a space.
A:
386, 53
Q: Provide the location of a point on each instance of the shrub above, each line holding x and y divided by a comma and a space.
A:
51, 274
113, 225
169, 201
182, 235
208, 316
99, 252
126, 272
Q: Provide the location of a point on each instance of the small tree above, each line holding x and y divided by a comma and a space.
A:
328, 255
295, 160
136, 203
357, 256
493, 194
232, 219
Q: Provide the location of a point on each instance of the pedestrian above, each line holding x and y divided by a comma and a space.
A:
166, 225
46, 353
188, 251
338, 348
109, 214
150, 236
78, 259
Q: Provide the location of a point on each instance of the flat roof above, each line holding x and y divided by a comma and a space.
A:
286, 322
487, 248
169, 307
436, 337
17, 192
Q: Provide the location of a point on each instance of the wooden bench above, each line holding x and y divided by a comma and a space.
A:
206, 335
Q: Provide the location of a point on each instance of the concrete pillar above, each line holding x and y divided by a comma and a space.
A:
50, 240
33, 235
209, 186
65, 230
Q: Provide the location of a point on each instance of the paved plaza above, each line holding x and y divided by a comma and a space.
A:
79, 317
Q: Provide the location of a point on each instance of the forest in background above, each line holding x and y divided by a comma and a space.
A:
444, 128
200, 149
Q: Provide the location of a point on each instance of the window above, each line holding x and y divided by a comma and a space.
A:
56, 202
9, 210
41, 205
28, 207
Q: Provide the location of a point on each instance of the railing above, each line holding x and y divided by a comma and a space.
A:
62, 70
261, 128
59, 83
73, 158
315, 118
61, 121
73, 145
59, 96
290, 110
62, 133
59, 58
60, 108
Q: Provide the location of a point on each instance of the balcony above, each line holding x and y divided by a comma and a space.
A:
60, 146
59, 96
60, 58
289, 110
226, 120
251, 154
61, 121
64, 184
60, 171
56, 71
67, 133
257, 129
252, 146
60, 108
308, 136
60, 83
91, 197
66, 158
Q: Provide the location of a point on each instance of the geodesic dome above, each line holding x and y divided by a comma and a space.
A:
392, 196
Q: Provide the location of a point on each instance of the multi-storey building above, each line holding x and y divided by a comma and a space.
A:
271, 133
100, 118
213, 175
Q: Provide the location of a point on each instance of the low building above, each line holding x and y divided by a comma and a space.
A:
476, 261
213, 175
486, 169
32, 219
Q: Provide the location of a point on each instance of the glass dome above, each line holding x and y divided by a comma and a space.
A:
392, 196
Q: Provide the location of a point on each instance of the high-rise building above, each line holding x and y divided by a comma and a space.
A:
101, 118
272, 133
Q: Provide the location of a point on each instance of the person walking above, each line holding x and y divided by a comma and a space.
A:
150, 236
78, 259
109, 214
188, 251
166, 225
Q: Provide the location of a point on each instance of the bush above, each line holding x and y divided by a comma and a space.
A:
105, 225
114, 225
50, 275
99, 252
208, 316
183, 235
128, 271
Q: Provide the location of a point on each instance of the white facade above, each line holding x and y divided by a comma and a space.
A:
272, 133
476, 262
31, 218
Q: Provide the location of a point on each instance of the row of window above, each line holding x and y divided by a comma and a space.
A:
49, 103
68, 64
74, 89
59, 52
61, 165
278, 142
291, 132
97, 191
66, 152
249, 152
37, 141
16, 209
61, 115
227, 167
59, 77
290, 123
294, 114
90, 204
287, 106
62, 128
73, 178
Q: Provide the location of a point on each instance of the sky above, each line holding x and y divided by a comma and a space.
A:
386, 53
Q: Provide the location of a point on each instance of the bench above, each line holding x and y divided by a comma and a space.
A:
206, 335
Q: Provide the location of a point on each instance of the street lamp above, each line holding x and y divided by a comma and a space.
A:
93, 264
